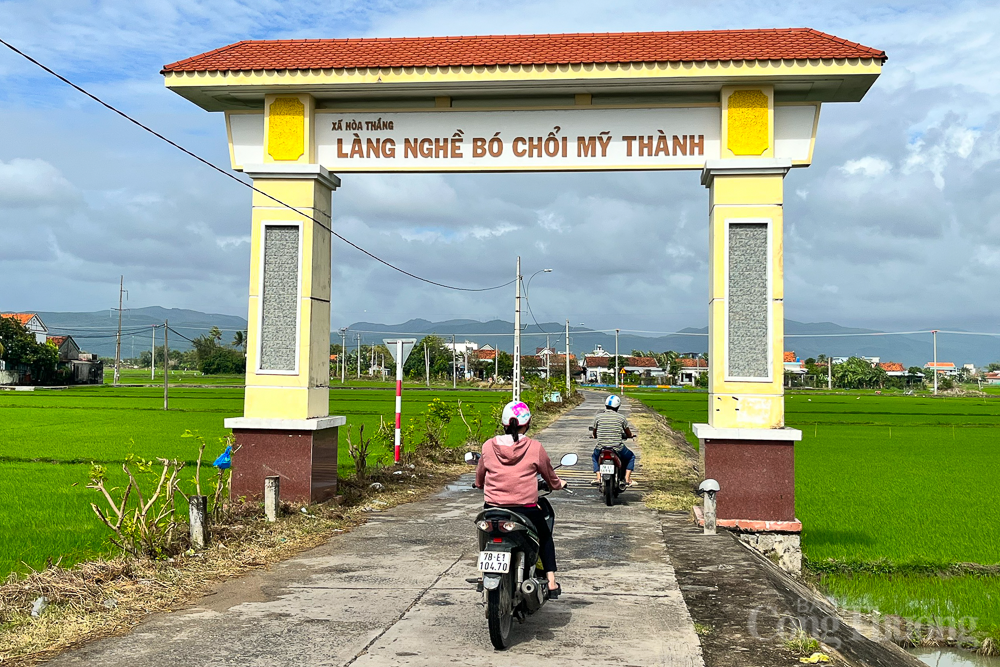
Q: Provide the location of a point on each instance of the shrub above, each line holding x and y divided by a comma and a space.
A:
223, 361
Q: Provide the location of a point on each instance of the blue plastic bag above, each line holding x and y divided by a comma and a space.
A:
225, 459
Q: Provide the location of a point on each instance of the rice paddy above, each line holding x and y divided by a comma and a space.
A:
48, 439
891, 491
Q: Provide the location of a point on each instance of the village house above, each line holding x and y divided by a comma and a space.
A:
793, 364
597, 364
691, 370
78, 367
643, 366
942, 368
32, 323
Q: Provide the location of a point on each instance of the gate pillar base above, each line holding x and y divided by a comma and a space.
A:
302, 452
755, 469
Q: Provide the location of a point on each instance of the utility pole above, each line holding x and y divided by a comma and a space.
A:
935, 361
166, 366
496, 365
829, 373
517, 332
118, 338
548, 358
567, 357
427, 366
152, 359
454, 364
359, 356
343, 356
616, 360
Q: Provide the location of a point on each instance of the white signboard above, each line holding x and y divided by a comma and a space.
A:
545, 140
518, 140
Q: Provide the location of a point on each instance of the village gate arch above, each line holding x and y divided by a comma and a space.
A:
741, 106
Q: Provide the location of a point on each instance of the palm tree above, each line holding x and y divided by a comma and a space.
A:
240, 340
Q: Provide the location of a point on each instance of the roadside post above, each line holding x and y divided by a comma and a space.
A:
400, 349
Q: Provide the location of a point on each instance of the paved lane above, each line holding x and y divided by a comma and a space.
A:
394, 592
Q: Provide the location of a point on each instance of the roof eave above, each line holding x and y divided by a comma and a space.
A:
819, 81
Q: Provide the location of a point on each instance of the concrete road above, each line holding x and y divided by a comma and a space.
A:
394, 592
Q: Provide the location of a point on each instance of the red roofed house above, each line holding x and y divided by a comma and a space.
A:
793, 364
691, 370
32, 323
68, 349
643, 366
942, 367
893, 369
485, 353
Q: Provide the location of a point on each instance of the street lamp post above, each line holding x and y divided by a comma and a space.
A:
617, 381
343, 355
517, 325
516, 380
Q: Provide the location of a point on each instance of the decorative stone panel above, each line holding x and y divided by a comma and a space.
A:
279, 298
747, 303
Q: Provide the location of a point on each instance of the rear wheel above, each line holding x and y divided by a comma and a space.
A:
609, 491
499, 612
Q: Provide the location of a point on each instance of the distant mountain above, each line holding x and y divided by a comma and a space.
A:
95, 332
805, 339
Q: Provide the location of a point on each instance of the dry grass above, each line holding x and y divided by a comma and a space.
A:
110, 597
668, 467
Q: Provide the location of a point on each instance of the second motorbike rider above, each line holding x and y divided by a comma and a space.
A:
507, 474
611, 430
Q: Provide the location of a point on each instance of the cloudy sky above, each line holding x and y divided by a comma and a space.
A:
895, 226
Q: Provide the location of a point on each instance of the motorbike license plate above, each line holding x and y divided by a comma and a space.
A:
494, 561
607, 468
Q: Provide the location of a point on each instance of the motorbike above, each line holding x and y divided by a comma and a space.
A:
513, 584
612, 473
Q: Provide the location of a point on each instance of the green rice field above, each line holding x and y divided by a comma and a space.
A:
49, 438
891, 491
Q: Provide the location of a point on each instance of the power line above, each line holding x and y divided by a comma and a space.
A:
240, 181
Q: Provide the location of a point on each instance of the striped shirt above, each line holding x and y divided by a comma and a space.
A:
610, 427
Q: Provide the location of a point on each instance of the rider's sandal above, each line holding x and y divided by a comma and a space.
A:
555, 592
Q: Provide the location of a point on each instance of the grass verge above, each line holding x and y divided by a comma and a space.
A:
668, 465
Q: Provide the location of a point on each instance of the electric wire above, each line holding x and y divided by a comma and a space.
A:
242, 182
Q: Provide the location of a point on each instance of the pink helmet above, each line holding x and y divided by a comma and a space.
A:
518, 410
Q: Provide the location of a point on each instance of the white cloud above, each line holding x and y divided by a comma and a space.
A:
34, 183
866, 166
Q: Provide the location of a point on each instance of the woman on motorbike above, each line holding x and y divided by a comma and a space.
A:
507, 474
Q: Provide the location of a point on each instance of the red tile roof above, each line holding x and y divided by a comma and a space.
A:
940, 364
892, 366
23, 318
642, 362
484, 355
56, 340
597, 362
789, 357
488, 50
693, 363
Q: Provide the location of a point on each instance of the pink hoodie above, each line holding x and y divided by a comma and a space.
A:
507, 469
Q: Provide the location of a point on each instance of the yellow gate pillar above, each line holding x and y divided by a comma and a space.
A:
745, 445
286, 429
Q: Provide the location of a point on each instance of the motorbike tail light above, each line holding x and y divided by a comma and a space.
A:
497, 540
508, 526
483, 525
